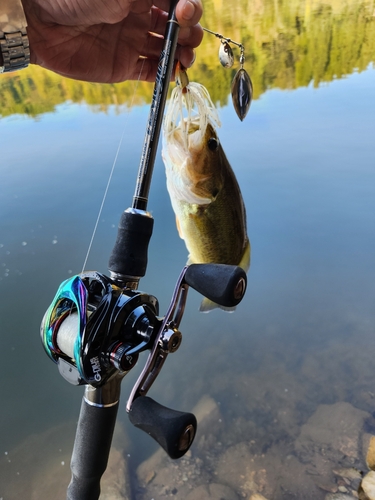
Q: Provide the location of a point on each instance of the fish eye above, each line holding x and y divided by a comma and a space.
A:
213, 144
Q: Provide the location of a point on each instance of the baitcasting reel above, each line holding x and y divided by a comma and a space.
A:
94, 330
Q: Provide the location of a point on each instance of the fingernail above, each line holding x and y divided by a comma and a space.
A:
188, 11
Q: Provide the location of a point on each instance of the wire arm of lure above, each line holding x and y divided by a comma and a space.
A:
229, 40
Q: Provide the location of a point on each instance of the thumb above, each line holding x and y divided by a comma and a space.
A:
189, 12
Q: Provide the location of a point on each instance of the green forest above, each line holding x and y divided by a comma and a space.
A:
288, 44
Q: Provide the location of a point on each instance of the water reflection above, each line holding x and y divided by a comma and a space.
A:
296, 356
287, 45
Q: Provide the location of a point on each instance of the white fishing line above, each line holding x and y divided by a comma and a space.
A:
110, 176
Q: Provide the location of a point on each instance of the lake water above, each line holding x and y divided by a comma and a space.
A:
304, 334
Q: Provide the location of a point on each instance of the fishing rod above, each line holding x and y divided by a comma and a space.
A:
96, 326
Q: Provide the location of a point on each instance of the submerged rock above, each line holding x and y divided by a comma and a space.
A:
318, 464
367, 488
350, 473
273, 474
370, 455
212, 491
333, 432
339, 496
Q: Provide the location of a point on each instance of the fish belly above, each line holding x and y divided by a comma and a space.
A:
214, 233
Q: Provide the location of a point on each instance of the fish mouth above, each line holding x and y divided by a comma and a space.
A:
189, 115
189, 112
190, 136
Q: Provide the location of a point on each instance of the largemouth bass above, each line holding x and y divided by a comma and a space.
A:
204, 192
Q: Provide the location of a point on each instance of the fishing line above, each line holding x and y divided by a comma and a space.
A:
111, 174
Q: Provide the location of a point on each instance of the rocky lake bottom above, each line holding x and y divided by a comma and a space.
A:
299, 427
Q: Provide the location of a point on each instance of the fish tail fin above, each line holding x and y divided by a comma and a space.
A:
207, 305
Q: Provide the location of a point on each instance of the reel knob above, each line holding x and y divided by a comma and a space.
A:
221, 283
173, 430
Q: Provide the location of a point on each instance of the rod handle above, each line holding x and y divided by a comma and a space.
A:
173, 430
91, 450
221, 283
129, 254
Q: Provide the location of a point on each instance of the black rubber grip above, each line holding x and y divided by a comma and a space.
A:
129, 255
225, 285
91, 450
173, 430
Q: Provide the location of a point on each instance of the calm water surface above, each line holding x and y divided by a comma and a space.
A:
304, 159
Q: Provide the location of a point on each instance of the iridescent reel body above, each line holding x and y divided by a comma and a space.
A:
94, 328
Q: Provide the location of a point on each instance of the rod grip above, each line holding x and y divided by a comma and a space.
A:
173, 430
221, 283
129, 254
91, 450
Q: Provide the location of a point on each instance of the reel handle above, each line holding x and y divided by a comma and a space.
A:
221, 283
173, 430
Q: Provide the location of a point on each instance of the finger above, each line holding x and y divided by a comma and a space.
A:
146, 68
162, 4
158, 21
152, 47
185, 55
189, 12
143, 6
191, 36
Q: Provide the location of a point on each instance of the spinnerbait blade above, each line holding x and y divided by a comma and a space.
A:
242, 93
226, 54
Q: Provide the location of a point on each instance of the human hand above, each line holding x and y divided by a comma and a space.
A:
108, 41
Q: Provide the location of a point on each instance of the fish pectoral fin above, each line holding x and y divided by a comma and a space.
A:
207, 305
208, 188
